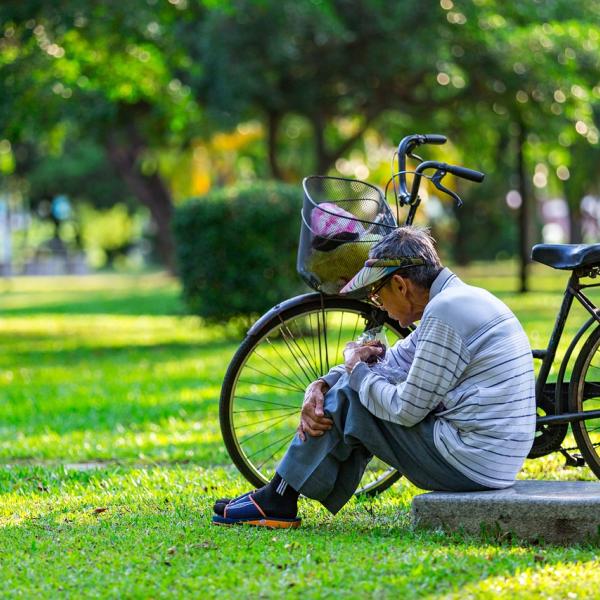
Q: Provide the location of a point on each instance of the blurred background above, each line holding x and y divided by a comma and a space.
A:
175, 134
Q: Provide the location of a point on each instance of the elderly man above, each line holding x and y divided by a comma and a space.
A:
451, 406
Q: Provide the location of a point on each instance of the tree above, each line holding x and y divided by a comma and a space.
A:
323, 61
107, 72
503, 79
531, 71
487, 71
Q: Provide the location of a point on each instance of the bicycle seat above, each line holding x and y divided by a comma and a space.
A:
566, 256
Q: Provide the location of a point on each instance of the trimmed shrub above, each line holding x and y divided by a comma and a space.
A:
236, 249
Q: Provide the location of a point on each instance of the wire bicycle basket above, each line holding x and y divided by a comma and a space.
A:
341, 220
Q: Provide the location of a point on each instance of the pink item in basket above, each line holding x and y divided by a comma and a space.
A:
329, 220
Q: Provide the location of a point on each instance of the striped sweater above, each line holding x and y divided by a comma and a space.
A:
469, 363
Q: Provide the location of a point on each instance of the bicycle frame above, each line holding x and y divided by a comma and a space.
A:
553, 393
560, 394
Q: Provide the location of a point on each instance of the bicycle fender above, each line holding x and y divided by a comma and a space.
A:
272, 313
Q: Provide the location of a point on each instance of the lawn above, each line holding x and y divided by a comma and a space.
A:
111, 455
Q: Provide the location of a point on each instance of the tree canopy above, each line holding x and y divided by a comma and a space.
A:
503, 79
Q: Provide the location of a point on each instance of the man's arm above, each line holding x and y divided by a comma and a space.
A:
439, 360
334, 375
399, 356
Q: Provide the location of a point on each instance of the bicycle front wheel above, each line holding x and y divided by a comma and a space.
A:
584, 395
264, 386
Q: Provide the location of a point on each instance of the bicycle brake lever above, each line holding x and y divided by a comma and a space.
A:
437, 182
415, 156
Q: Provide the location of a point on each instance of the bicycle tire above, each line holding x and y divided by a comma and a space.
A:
248, 359
584, 394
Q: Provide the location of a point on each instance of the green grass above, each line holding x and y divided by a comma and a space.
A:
110, 456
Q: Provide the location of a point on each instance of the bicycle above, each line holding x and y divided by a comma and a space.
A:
299, 339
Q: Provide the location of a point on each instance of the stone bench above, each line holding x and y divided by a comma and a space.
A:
550, 511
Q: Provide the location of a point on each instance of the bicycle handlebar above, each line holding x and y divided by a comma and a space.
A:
405, 148
442, 168
463, 172
434, 138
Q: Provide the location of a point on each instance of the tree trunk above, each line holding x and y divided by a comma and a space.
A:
273, 121
524, 211
321, 157
459, 242
124, 153
573, 199
325, 159
575, 234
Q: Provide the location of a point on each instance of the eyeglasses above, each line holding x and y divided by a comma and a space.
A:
374, 296
400, 264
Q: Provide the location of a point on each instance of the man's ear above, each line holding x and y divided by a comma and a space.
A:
400, 284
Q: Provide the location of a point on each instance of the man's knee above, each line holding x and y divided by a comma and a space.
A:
338, 401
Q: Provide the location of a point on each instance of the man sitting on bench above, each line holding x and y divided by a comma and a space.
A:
451, 406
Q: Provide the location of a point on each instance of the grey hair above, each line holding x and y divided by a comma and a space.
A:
412, 241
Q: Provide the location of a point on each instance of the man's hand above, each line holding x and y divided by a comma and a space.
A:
312, 418
355, 353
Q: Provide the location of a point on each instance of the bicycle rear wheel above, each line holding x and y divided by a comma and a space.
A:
584, 395
264, 386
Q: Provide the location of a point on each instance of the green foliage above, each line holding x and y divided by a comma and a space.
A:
86, 63
82, 172
143, 76
109, 233
236, 249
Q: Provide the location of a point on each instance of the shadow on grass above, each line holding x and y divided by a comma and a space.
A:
90, 352
112, 394
151, 303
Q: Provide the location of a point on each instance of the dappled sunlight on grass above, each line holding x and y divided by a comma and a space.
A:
111, 386
169, 440
111, 456
553, 467
144, 294
560, 580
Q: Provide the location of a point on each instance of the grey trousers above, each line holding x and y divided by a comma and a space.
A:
329, 468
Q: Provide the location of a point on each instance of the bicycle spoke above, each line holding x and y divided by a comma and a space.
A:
290, 387
285, 441
325, 341
319, 340
337, 347
313, 365
355, 329
287, 343
277, 419
312, 339
308, 363
263, 401
249, 410
284, 361
287, 436
278, 387
290, 382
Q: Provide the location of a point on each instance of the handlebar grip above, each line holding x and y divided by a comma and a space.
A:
465, 173
434, 138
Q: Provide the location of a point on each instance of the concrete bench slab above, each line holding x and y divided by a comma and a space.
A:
558, 512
